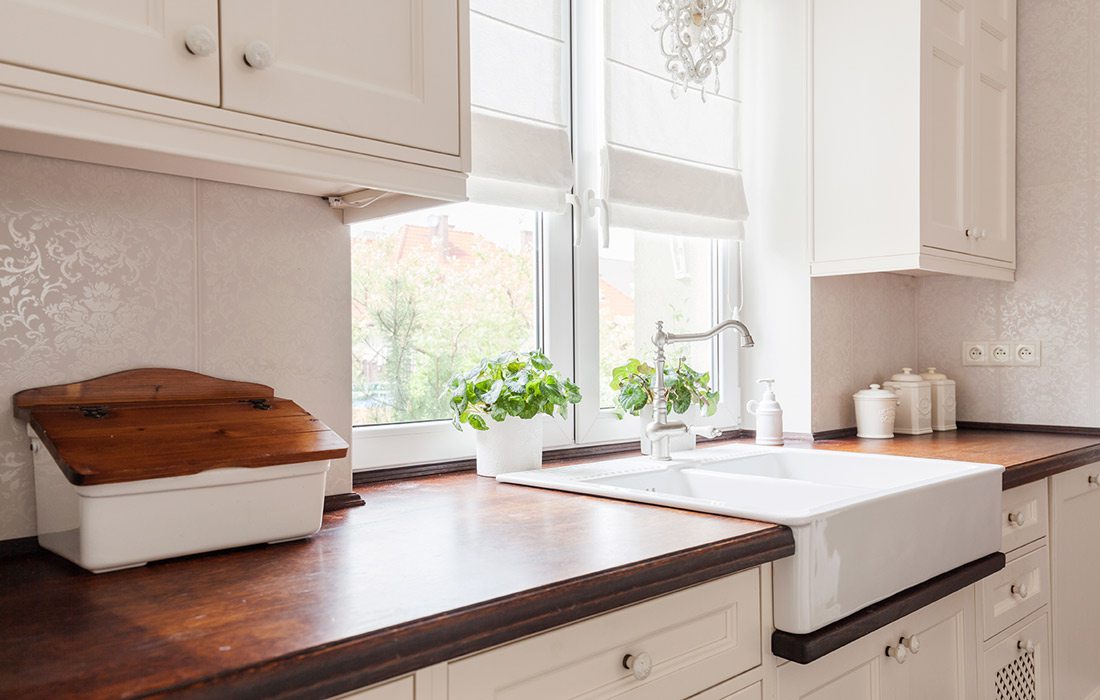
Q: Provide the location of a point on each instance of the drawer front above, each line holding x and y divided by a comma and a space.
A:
400, 689
692, 639
1018, 666
1023, 515
1014, 592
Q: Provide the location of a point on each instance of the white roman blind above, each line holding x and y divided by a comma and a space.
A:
667, 165
519, 70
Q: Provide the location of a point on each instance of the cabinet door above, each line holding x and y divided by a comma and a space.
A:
994, 130
1018, 666
945, 665
137, 44
1075, 581
384, 70
945, 114
854, 672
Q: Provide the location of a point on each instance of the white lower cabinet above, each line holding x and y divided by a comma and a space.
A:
1016, 665
675, 646
928, 655
400, 689
1075, 582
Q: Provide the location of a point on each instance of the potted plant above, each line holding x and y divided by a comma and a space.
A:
501, 399
684, 388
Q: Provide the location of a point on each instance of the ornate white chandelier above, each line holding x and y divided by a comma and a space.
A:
693, 35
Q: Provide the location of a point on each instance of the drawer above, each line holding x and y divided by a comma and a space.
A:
1023, 515
692, 640
400, 689
1017, 666
753, 692
1014, 592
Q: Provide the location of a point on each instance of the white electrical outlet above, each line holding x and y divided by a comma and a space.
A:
1001, 353
1027, 354
975, 353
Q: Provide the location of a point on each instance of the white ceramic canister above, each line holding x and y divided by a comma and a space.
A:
876, 409
943, 399
915, 409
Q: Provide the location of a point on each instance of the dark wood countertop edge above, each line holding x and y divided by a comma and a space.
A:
361, 661
805, 648
1039, 469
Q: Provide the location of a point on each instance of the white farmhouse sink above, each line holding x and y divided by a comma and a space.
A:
865, 526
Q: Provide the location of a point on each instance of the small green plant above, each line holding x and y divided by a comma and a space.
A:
520, 384
683, 387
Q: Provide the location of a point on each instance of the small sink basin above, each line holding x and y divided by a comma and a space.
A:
865, 526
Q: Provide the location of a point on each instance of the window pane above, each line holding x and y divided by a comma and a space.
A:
432, 293
645, 278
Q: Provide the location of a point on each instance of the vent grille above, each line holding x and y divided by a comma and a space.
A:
1016, 681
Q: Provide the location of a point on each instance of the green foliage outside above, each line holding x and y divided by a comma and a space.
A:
422, 313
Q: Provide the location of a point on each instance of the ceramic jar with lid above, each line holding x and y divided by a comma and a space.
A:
943, 399
876, 410
915, 409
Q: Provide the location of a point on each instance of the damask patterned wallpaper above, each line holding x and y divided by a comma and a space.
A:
104, 269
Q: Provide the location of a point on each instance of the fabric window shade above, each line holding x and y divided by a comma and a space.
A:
520, 140
668, 165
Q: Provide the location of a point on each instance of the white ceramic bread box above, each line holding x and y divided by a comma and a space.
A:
155, 463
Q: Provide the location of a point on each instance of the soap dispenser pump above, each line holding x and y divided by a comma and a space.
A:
769, 416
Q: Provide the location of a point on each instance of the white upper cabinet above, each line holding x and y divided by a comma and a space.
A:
384, 70
914, 137
328, 97
139, 44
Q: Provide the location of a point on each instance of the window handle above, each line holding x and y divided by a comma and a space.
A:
594, 206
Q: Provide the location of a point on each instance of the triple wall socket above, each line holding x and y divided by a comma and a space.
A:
1001, 353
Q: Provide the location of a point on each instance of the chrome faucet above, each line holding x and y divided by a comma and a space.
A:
661, 430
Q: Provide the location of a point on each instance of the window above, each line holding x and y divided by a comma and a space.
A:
576, 241
431, 291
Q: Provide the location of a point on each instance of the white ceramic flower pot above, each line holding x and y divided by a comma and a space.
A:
512, 445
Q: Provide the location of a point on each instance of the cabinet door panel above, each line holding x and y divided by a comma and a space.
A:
1075, 580
135, 44
994, 182
945, 668
382, 70
945, 125
1018, 666
858, 671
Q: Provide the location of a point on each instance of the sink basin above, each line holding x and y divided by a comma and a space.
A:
865, 526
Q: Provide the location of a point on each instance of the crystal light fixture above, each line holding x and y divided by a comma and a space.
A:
693, 35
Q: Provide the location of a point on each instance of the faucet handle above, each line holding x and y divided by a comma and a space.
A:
705, 431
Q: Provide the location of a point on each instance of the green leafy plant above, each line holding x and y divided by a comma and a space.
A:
520, 384
684, 387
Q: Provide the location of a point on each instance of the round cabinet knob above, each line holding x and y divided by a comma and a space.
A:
1018, 518
911, 643
898, 653
641, 665
1019, 590
1094, 480
258, 55
1027, 647
200, 41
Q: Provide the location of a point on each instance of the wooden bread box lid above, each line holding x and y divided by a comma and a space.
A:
154, 423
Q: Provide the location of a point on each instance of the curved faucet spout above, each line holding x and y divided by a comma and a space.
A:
660, 430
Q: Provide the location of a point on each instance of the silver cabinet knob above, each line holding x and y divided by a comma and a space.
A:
200, 40
1027, 647
912, 643
1019, 590
258, 55
641, 665
898, 653
1018, 518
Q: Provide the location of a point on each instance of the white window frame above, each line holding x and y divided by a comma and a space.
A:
568, 299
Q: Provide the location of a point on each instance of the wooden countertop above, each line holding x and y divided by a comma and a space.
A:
1026, 456
428, 570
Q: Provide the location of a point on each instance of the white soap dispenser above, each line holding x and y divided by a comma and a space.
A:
769, 416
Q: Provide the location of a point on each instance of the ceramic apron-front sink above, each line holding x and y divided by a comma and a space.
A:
865, 526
